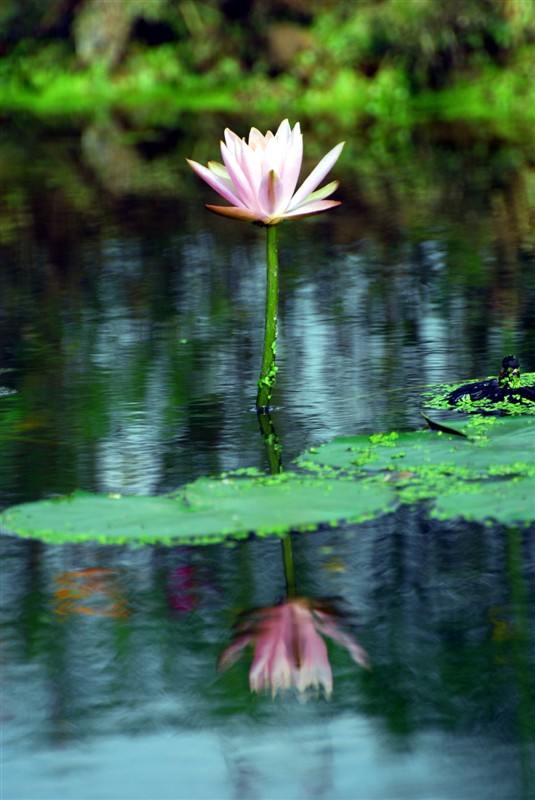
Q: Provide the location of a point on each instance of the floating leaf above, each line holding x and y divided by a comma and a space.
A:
507, 501
203, 512
486, 473
491, 455
482, 446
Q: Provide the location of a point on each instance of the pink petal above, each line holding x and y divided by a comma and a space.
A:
231, 653
272, 663
314, 668
250, 162
291, 166
236, 212
316, 176
240, 181
215, 182
233, 141
330, 628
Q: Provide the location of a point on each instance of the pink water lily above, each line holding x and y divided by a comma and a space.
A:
289, 650
259, 177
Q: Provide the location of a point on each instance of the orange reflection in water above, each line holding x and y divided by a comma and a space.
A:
94, 591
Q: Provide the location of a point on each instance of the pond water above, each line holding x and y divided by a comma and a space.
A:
133, 325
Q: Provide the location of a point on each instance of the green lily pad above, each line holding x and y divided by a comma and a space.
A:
507, 501
203, 512
494, 459
487, 446
487, 473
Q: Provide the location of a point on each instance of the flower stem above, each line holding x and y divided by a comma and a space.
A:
271, 440
269, 370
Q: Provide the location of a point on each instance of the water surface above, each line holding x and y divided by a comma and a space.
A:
133, 331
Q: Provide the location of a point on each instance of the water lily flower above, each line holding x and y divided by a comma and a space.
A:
289, 649
259, 177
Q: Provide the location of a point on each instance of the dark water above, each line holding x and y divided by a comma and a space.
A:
132, 327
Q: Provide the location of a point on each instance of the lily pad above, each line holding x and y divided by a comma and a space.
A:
507, 501
203, 512
485, 447
487, 473
494, 459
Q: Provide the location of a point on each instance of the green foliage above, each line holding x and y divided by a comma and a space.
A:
428, 40
375, 60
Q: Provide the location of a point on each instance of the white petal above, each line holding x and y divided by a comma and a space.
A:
291, 166
316, 207
256, 139
240, 181
269, 194
283, 133
316, 176
273, 157
215, 182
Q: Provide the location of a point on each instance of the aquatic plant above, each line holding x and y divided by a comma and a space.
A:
259, 177
478, 468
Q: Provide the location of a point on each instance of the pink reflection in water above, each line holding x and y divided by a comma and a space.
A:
289, 651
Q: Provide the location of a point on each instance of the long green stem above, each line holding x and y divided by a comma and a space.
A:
269, 370
271, 440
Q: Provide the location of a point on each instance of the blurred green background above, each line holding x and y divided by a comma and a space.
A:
393, 62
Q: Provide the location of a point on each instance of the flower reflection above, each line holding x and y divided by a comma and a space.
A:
289, 649
182, 587
95, 592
